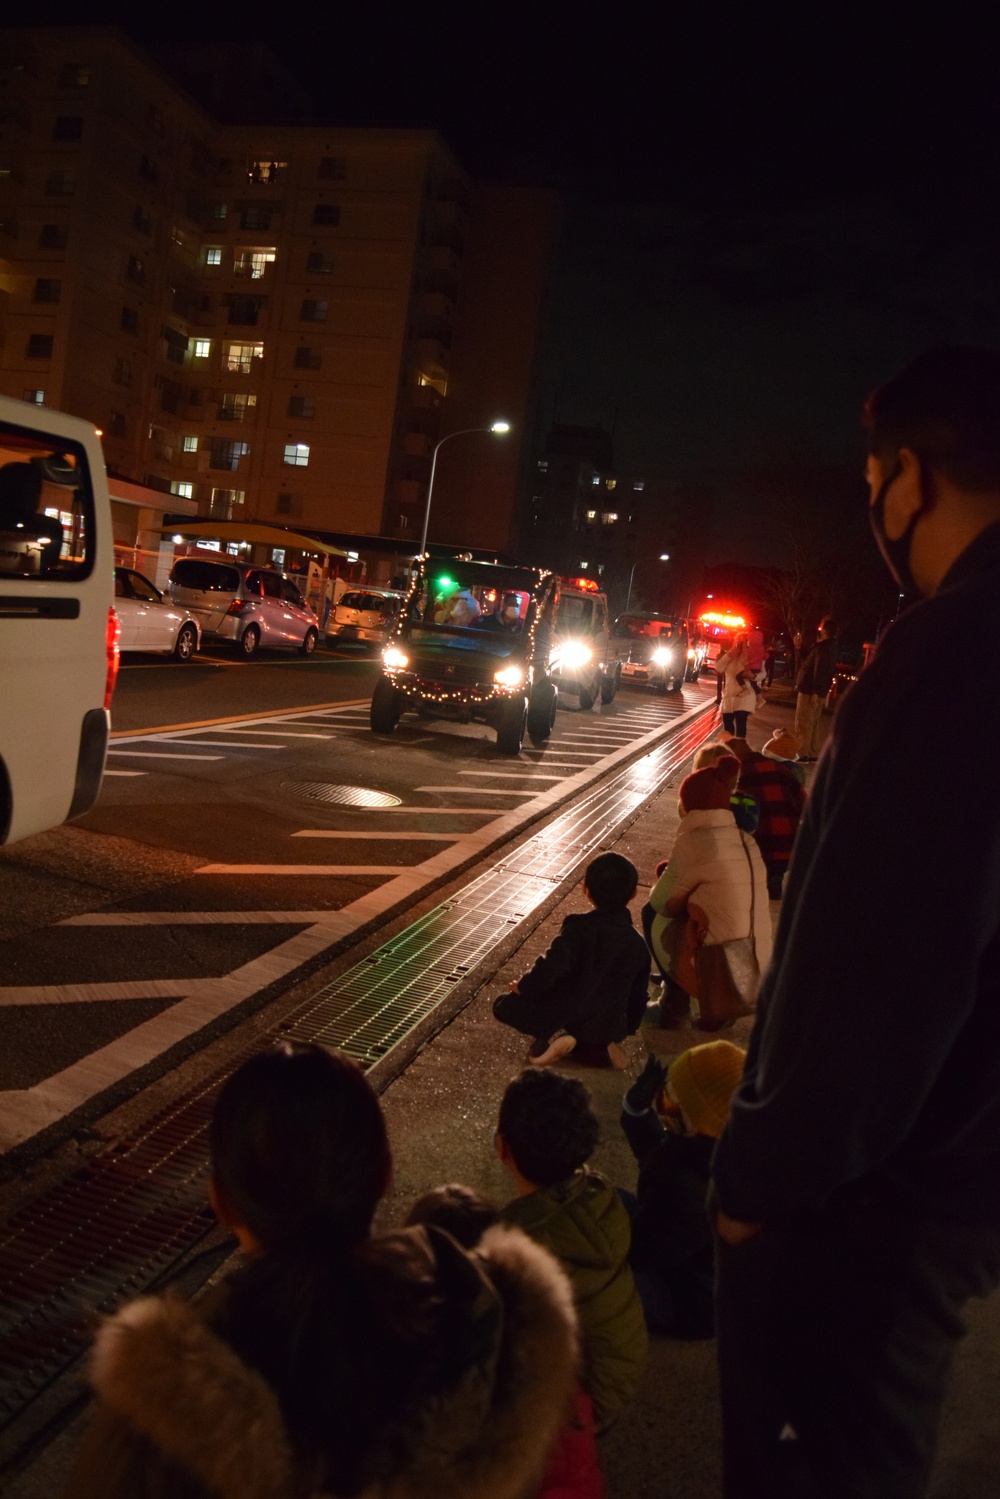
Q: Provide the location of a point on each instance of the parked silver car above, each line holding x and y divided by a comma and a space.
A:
250, 607
364, 614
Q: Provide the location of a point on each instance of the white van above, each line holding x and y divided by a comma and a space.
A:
58, 629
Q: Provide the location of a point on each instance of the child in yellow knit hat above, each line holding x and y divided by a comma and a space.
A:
672, 1253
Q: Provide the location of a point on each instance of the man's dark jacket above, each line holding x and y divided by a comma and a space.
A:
597, 965
875, 1060
815, 676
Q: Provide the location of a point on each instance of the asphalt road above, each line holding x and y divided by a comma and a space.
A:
250, 824
153, 691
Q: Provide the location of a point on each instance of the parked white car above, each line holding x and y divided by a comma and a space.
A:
148, 621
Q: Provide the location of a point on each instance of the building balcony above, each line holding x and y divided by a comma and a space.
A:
437, 304
417, 445
426, 398
433, 357
409, 492
441, 257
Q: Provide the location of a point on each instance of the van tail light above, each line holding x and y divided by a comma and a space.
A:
113, 652
236, 607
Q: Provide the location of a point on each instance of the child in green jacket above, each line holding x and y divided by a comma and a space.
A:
546, 1133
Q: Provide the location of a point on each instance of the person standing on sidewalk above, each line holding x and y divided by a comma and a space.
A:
813, 682
857, 1184
738, 699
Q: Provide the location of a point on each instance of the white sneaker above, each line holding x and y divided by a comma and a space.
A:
560, 1045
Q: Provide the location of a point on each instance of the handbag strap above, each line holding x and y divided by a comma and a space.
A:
753, 885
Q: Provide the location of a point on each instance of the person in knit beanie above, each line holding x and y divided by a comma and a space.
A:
673, 1252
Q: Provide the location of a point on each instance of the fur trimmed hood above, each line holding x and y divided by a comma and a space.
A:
175, 1398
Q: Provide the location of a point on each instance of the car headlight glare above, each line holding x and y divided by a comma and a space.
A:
691, 655
394, 659
574, 653
509, 676
662, 657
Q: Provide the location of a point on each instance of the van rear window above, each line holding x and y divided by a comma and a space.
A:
47, 527
207, 577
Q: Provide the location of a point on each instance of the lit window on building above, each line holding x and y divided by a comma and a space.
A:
183, 487
213, 255
234, 405
190, 444
239, 358
609, 517
296, 454
639, 484
36, 397
264, 173
254, 263
611, 483
543, 465
591, 517
225, 501
202, 348
596, 479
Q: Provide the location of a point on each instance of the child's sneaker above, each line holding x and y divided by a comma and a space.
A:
617, 1057
544, 1053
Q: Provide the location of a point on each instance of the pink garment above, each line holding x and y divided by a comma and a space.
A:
755, 650
573, 1470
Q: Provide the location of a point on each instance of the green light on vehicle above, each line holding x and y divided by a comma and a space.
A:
446, 583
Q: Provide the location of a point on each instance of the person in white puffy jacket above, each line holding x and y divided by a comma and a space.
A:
739, 699
715, 872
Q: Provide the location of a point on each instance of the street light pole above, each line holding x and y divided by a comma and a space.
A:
497, 427
664, 557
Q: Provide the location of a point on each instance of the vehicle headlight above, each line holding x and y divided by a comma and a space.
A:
662, 657
574, 653
394, 659
509, 676
691, 654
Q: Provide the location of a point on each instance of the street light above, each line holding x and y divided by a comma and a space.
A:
664, 557
497, 427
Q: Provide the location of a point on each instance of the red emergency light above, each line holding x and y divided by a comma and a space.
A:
586, 585
726, 621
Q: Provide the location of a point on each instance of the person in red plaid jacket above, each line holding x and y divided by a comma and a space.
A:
781, 798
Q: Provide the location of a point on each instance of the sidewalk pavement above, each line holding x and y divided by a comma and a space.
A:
442, 1112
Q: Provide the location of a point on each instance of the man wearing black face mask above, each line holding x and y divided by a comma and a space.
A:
857, 1185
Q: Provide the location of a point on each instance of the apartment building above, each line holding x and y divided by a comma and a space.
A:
584, 515
258, 318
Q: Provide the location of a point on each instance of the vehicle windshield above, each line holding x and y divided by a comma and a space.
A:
643, 627
46, 507
467, 598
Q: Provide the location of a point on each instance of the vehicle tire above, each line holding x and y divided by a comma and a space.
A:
588, 697
609, 686
249, 643
676, 683
309, 642
542, 712
513, 722
386, 706
186, 643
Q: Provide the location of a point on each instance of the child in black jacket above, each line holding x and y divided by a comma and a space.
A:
673, 1252
589, 991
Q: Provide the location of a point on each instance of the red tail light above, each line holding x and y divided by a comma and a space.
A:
111, 639
236, 607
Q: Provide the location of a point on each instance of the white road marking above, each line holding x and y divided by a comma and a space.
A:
211, 744
284, 733
512, 775
109, 772
472, 791
165, 754
394, 835
299, 869
197, 918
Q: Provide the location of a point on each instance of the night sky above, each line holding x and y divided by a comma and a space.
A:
768, 207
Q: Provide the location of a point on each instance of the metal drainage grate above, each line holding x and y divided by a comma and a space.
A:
137, 1210
341, 796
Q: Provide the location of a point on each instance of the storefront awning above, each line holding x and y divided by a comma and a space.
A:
268, 536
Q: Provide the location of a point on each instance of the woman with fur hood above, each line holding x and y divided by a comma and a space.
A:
739, 700
333, 1363
714, 878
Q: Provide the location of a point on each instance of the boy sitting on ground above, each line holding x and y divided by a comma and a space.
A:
673, 1250
546, 1134
589, 991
